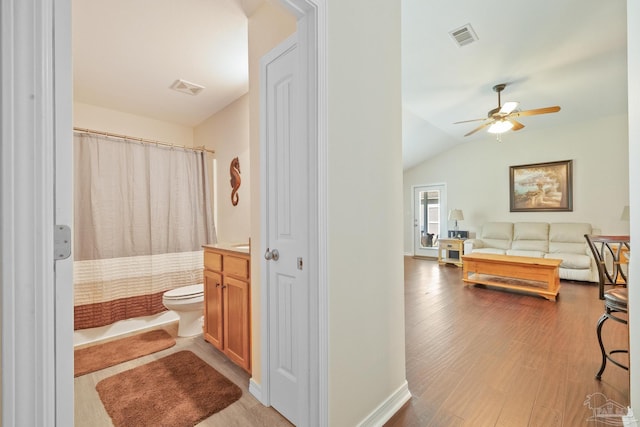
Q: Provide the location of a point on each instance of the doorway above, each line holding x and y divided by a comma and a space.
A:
314, 410
429, 219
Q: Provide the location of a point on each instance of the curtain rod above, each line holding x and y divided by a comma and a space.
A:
143, 140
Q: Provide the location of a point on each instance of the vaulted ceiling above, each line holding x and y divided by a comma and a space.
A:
570, 53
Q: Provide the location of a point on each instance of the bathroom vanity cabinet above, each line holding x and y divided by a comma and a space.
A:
227, 299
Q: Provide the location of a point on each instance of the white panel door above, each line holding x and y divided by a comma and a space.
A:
286, 243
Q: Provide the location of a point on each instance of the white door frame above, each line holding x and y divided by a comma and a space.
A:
35, 157
64, 315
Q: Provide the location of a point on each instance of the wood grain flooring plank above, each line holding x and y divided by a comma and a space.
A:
518, 360
545, 417
551, 395
520, 397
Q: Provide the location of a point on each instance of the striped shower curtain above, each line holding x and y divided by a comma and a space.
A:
141, 215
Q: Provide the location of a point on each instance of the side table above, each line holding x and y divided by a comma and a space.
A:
450, 251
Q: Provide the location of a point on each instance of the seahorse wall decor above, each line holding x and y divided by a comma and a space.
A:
234, 170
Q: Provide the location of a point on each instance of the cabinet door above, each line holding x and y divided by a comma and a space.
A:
236, 321
213, 308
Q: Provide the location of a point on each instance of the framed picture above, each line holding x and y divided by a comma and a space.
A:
543, 187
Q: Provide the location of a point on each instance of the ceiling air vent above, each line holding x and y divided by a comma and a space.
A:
187, 87
464, 35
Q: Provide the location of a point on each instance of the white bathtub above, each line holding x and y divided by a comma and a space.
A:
122, 327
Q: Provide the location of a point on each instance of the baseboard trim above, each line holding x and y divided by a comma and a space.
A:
256, 390
388, 408
430, 258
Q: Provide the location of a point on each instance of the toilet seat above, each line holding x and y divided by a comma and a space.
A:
188, 303
184, 292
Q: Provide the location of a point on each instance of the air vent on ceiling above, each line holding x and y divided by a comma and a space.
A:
464, 35
187, 87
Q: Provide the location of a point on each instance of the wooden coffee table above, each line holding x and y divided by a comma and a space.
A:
535, 275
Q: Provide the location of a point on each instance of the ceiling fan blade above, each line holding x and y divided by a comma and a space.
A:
467, 121
508, 107
482, 126
516, 125
536, 111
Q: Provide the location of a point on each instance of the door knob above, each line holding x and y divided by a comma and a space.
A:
272, 255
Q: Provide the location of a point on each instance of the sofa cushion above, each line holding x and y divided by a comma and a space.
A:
497, 235
530, 231
489, 251
531, 236
531, 254
578, 274
568, 237
572, 260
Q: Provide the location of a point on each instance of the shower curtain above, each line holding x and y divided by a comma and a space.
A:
141, 215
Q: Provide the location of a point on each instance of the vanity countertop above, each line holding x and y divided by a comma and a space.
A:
242, 248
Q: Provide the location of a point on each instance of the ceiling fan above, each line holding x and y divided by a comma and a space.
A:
503, 118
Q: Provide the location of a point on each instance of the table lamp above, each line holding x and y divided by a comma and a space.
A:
456, 215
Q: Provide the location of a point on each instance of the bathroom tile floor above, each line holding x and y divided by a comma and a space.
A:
247, 411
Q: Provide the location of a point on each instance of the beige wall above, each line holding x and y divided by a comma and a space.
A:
477, 175
227, 133
106, 120
268, 26
365, 264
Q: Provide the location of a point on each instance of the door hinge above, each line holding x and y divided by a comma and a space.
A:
62, 242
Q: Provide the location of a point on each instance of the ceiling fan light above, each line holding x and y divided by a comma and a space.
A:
500, 126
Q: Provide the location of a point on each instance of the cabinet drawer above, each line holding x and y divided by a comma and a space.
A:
212, 261
235, 266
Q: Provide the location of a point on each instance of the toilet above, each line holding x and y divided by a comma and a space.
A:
188, 303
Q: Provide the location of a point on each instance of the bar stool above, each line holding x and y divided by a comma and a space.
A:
615, 301
608, 254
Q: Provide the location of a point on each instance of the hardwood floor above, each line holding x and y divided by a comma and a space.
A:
474, 357
484, 357
247, 411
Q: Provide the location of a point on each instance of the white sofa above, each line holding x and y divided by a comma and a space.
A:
563, 241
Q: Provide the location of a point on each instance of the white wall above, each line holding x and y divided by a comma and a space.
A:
94, 117
477, 175
365, 264
227, 133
